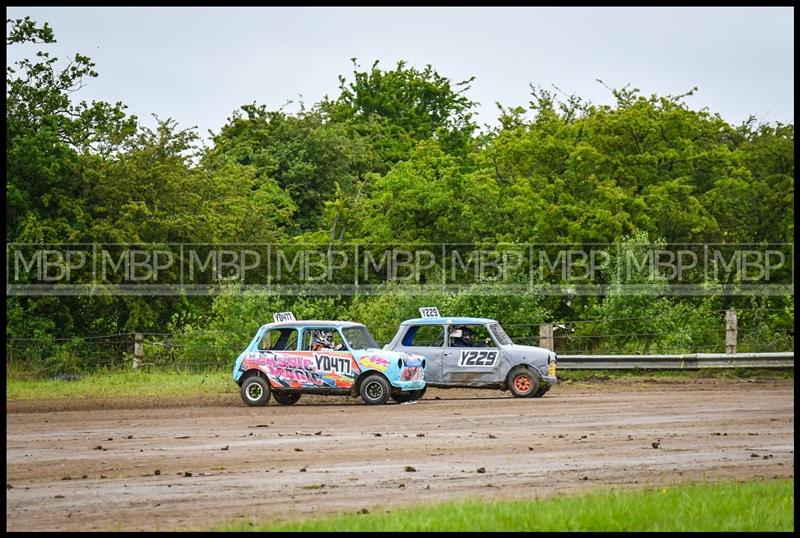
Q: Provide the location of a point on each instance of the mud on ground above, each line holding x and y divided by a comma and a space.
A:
190, 463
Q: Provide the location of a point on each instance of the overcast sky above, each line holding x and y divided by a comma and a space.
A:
197, 65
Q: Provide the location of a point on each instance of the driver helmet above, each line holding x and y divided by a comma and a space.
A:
323, 338
467, 335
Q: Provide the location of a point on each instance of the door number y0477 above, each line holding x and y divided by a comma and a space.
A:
477, 358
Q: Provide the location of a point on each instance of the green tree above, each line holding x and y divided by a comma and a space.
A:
398, 108
429, 198
755, 200
52, 143
635, 311
305, 155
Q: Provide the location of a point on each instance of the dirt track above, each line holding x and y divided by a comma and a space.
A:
95, 469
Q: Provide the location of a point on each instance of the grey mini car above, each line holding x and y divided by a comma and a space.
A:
476, 352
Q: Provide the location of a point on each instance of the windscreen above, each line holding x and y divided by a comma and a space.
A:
500, 335
359, 338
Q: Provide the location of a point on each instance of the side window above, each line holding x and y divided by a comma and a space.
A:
470, 336
268, 340
284, 339
319, 339
338, 342
424, 336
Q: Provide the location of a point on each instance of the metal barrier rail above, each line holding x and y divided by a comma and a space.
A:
690, 361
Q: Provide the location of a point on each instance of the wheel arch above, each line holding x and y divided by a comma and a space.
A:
356, 388
253, 372
530, 367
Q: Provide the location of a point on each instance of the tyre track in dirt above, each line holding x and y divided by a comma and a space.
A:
332, 454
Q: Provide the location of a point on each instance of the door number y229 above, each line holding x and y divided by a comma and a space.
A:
477, 358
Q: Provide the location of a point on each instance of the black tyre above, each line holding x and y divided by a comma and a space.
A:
541, 392
403, 397
522, 382
286, 398
374, 390
255, 391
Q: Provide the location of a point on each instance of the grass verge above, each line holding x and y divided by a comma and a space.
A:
123, 383
143, 382
741, 506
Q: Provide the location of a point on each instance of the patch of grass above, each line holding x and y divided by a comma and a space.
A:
638, 374
124, 383
747, 506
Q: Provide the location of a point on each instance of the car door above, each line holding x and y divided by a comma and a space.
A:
334, 367
426, 339
472, 363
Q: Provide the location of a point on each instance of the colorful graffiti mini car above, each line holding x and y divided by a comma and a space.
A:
288, 358
475, 352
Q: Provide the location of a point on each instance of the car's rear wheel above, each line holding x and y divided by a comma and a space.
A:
255, 391
522, 382
374, 390
286, 398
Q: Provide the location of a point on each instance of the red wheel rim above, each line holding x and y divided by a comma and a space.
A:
522, 383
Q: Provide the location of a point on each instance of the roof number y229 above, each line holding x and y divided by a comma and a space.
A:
477, 358
429, 312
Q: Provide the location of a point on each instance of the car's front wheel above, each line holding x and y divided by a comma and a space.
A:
374, 390
522, 382
541, 392
255, 391
403, 397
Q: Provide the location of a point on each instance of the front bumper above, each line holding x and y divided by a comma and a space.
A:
550, 380
406, 386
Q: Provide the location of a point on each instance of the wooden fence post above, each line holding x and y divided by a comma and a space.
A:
546, 336
138, 350
731, 330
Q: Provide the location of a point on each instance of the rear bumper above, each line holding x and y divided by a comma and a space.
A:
550, 380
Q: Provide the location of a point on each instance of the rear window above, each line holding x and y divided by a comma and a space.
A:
424, 336
284, 339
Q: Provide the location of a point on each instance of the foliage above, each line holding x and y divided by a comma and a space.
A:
305, 156
403, 106
428, 199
